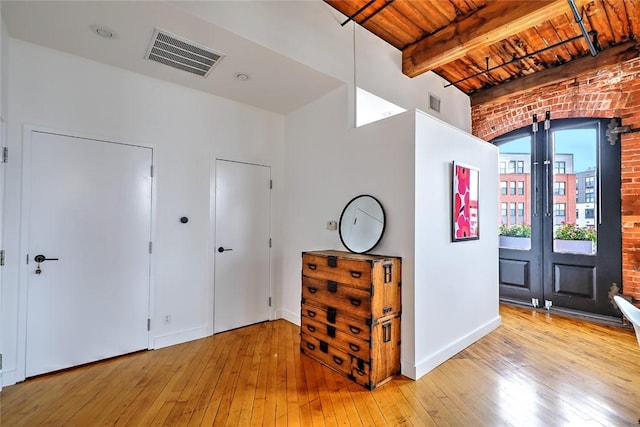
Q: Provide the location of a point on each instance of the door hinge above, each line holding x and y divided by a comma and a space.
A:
547, 120
148, 324
534, 302
548, 304
151, 171
270, 242
150, 247
270, 184
2, 258
269, 301
0, 362
5, 155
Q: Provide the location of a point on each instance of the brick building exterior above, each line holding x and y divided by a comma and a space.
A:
612, 91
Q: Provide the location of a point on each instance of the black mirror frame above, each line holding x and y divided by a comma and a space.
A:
384, 224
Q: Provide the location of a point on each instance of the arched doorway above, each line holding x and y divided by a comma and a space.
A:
559, 216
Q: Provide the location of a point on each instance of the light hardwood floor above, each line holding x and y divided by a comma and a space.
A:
535, 370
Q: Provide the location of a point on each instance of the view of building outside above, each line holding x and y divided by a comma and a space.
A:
574, 186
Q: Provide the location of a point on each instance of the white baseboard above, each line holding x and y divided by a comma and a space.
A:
431, 362
290, 316
9, 378
180, 337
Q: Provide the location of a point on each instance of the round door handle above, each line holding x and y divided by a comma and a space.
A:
221, 249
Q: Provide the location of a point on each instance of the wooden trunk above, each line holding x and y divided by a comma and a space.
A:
351, 307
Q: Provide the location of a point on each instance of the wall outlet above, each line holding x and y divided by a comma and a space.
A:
332, 225
166, 319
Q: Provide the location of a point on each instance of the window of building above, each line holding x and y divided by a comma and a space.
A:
521, 187
589, 198
577, 214
503, 212
512, 166
512, 213
559, 188
520, 167
559, 209
512, 187
520, 213
503, 167
589, 213
503, 187
559, 168
590, 181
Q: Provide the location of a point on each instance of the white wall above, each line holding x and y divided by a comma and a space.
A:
188, 130
405, 162
327, 164
456, 284
320, 42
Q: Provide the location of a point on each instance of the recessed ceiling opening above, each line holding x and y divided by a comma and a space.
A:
371, 108
181, 53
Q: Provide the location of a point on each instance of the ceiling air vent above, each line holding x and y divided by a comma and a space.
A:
434, 103
181, 53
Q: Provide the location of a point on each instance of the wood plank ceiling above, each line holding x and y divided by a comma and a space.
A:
492, 48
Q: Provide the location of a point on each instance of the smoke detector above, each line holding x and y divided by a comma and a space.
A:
182, 53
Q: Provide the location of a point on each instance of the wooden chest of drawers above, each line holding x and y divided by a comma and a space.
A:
350, 314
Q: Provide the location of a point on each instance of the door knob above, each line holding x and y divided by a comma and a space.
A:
221, 249
41, 258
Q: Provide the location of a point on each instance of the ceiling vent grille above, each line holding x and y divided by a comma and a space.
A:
181, 53
434, 103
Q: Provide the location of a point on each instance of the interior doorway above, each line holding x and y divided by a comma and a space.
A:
559, 216
242, 289
87, 233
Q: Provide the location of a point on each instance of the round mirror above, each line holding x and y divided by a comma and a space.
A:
361, 224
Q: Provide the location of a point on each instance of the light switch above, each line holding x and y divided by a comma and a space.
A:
332, 225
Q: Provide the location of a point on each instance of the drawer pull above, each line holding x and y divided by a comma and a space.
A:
354, 347
338, 360
354, 330
312, 289
355, 302
356, 274
311, 328
311, 346
359, 372
311, 313
311, 266
324, 346
388, 309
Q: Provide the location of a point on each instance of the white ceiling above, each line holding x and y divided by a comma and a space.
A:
277, 83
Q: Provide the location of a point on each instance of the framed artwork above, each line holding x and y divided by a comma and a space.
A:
465, 210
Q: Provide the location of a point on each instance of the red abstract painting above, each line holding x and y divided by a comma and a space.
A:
465, 202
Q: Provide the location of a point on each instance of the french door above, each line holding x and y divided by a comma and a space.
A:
559, 216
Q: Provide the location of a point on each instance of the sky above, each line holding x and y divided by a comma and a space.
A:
580, 142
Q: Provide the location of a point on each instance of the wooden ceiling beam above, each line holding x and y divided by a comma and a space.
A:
496, 21
571, 69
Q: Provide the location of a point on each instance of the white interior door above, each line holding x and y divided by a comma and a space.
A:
89, 206
242, 266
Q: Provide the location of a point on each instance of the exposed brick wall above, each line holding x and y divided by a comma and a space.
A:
612, 91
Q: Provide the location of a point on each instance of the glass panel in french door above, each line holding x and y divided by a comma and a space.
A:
575, 192
514, 208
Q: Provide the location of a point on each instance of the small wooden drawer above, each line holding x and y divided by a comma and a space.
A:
344, 298
325, 353
335, 337
357, 328
328, 267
